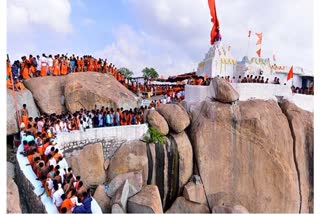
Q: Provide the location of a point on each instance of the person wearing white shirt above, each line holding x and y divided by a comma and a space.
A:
48, 149
56, 197
38, 65
50, 65
52, 161
44, 62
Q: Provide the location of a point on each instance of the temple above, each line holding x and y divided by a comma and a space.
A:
220, 62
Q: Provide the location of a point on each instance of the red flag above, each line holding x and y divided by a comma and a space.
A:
274, 57
290, 74
259, 35
259, 52
249, 34
215, 35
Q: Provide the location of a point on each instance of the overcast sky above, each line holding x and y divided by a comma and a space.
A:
171, 36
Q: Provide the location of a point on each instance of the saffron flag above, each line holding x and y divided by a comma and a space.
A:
290, 74
249, 35
215, 35
259, 52
259, 35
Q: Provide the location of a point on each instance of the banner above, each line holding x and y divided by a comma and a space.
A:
215, 31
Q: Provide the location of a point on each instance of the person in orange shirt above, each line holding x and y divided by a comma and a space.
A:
56, 70
25, 68
66, 204
78, 64
64, 67
25, 115
9, 84
98, 64
129, 118
9, 72
19, 85
44, 65
105, 66
119, 76
32, 69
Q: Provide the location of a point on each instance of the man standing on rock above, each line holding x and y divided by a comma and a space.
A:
24, 115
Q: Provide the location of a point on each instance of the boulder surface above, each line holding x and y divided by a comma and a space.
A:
22, 97
85, 90
146, 201
245, 150
223, 91
176, 116
48, 93
102, 199
88, 163
130, 157
301, 125
156, 121
13, 199
181, 205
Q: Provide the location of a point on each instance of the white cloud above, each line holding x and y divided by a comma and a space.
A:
136, 50
23, 16
88, 22
287, 26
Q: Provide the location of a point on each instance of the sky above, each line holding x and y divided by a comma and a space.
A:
171, 36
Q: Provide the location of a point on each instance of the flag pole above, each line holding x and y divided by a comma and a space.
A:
247, 52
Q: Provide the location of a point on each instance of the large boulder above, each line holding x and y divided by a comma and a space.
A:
301, 125
10, 170
194, 193
146, 201
222, 91
176, 116
156, 121
130, 157
21, 97
227, 209
121, 196
102, 199
13, 199
48, 93
181, 205
246, 151
185, 158
88, 163
85, 90
134, 180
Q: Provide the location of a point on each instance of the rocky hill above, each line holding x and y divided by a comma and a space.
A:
220, 155
71, 92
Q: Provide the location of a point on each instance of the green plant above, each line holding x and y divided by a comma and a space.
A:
126, 72
149, 73
154, 136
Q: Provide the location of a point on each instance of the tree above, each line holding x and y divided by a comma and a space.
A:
126, 72
149, 73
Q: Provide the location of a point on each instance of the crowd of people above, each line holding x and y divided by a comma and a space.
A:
303, 90
81, 120
68, 192
55, 66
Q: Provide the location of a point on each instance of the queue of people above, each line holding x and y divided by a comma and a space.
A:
68, 192
303, 90
81, 120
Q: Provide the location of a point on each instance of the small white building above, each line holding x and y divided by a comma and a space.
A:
220, 62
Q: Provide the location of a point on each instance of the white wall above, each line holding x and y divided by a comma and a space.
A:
261, 91
194, 93
303, 101
128, 133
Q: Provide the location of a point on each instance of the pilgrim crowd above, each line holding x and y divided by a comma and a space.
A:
68, 192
